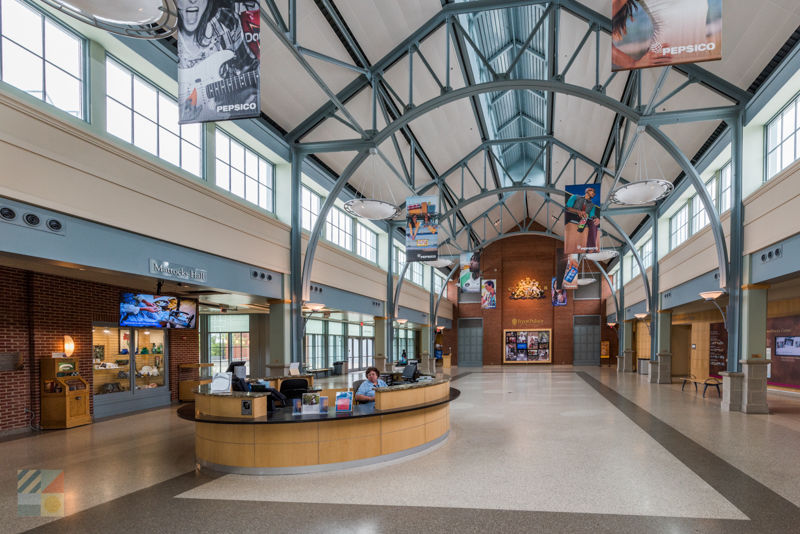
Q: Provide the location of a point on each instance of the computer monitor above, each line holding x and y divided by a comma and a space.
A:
409, 372
238, 369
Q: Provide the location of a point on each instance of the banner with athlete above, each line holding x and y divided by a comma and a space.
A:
654, 33
422, 242
219, 60
582, 219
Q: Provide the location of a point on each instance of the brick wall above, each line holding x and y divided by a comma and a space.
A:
39, 310
508, 261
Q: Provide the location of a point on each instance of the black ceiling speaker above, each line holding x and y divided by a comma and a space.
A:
32, 219
8, 214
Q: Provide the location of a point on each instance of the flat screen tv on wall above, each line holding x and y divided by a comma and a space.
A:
787, 345
157, 311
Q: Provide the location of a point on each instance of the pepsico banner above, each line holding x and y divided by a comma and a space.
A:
219, 60
422, 241
654, 33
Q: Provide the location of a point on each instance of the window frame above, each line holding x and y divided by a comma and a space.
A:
85, 76
159, 91
246, 148
794, 101
367, 246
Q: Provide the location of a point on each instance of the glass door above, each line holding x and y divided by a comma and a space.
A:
354, 354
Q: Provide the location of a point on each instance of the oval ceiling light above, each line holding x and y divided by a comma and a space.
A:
640, 192
139, 19
441, 262
603, 255
373, 209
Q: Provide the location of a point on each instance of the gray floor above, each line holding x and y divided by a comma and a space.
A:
551, 449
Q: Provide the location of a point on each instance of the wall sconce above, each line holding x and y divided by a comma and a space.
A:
644, 316
712, 296
69, 346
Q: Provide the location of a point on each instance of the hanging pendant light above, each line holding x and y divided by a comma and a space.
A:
375, 209
602, 254
583, 280
643, 190
139, 19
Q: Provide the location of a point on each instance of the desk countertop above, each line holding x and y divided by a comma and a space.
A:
285, 415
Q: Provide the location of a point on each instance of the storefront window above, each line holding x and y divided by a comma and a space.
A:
120, 352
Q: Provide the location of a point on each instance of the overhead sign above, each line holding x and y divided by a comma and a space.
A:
422, 241
654, 33
166, 269
219, 60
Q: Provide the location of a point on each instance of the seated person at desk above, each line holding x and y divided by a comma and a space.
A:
366, 392
403, 359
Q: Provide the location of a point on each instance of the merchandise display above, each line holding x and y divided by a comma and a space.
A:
527, 346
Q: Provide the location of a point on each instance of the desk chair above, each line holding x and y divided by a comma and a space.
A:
293, 388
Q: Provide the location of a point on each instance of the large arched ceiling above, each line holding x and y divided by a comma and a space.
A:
369, 33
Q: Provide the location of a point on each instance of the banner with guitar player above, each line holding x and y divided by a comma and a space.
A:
219, 59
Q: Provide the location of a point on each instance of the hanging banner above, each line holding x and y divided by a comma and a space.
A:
422, 242
558, 297
219, 60
582, 219
566, 270
470, 279
655, 33
489, 295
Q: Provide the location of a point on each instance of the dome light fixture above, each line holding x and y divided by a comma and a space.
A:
371, 208
441, 262
640, 192
138, 19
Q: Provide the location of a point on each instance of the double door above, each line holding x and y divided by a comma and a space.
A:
360, 353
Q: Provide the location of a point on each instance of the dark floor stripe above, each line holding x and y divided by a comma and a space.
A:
754, 499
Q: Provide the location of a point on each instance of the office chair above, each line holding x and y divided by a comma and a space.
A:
293, 389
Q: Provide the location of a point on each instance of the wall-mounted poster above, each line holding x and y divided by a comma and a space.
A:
489, 295
527, 346
421, 229
654, 33
558, 297
783, 348
566, 270
717, 350
582, 219
219, 60
470, 278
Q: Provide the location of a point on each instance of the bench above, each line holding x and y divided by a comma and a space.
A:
706, 382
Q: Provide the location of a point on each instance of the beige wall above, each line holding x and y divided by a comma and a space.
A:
62, 165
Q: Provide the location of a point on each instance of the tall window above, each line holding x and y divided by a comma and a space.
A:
782, 140
399, 261
40, 57
309, 202
138, 113
679, 227
243, 172
339, 229
315, 344
416, 272
647, 254
228, 340
366, 243
725, 188
437, 284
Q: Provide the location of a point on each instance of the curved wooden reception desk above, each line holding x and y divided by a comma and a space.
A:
403, 420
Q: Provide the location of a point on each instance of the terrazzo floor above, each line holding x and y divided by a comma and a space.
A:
557, 450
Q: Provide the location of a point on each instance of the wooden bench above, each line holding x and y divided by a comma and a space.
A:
706, 382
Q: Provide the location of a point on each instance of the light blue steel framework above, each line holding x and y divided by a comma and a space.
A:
500, 84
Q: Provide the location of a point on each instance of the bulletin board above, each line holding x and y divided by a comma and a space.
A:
528, 346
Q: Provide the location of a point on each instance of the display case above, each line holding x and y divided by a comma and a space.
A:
528, 346
65, 394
